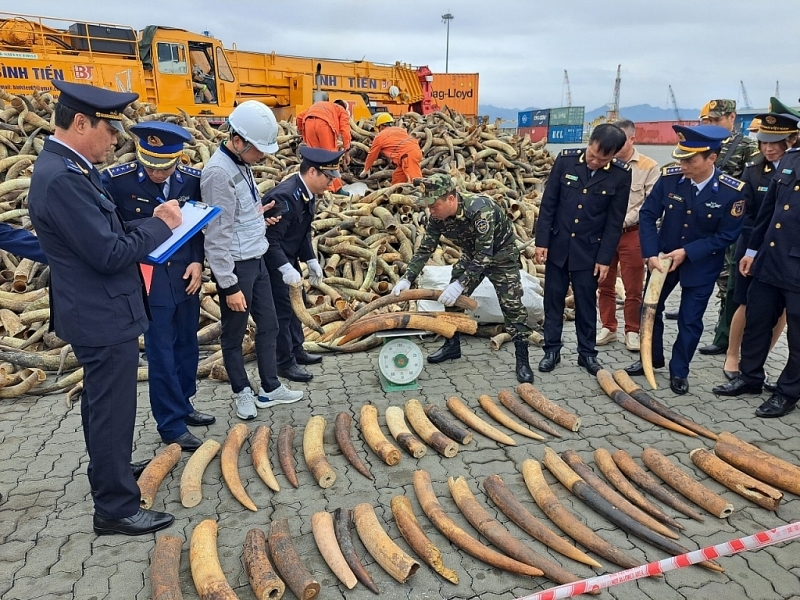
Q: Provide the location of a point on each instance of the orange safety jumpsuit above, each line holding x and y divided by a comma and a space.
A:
395, 144
320, 125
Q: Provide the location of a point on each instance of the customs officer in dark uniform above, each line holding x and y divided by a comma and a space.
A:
773, 261
579, 226
21, 242
97, 298
701, 211
138, 187
483, 232
290, 242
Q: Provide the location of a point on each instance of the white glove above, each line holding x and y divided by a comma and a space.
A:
290, 274
451, 293
314, 271
401, 286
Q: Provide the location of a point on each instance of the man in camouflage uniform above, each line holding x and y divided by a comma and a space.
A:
736, 152
486, 238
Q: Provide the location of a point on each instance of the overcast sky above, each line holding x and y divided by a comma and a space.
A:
703, 48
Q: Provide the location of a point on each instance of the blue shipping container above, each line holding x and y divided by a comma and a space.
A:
525, 119
540, 118
565, 134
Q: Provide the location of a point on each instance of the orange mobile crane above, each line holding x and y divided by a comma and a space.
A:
180, 70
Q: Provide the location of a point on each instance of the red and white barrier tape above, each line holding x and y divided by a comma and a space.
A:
751, 542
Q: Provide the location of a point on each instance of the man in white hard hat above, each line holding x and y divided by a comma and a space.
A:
235, 245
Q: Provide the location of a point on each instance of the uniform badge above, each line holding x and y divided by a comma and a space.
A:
675, 197
737, 210
154, 141
482, 225
763, 188
571, 177
714, 204
787, 171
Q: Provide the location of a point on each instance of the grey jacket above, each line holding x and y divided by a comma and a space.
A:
238, 233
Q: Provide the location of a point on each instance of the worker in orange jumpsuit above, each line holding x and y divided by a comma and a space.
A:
326, 125
395, 144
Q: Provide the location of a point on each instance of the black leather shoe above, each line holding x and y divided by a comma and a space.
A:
776, 406
143, 522
137, 468
306, 358
672, 315
590, 363
198, 419
736, 387
730, 375
679, 385
637, 368
187, 441
295, 373
549, 362
450, 350
712, 349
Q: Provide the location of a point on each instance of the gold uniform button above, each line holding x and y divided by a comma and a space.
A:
573, 235
169, 263
577, 220
683, 237
785, 207
603, 192
688, 212
584, 191
777, 225
686, 225
580, 206
709, 215
797, 188
772, 244
138, 210
670, 205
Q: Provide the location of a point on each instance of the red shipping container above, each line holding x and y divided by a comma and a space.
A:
536, 133
659, 133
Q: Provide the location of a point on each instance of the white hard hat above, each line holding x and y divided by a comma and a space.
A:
255, 122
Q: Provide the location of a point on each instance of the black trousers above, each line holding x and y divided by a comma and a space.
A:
584, 287
765, 304
254, 283
108, 414
290, 334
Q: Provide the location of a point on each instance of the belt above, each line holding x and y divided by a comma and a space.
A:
631, 228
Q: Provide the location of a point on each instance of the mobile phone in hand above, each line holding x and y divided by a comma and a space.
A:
281, 208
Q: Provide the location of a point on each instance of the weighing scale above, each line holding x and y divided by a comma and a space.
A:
400, 360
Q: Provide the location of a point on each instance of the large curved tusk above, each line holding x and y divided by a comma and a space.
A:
342, 520
314, 452
192, 476
400, 432
325, 537
498, 415
761, 465
548, 408
375, 438
463, 413
413, 534
229, 461
285, 557
652, 295
732, 478
286, 454
154, 473
265, 582
508, 400
389, 555
299, 307
165, 566
341, 429
204, 562
259, 447
450, 428
684, 484
427, 431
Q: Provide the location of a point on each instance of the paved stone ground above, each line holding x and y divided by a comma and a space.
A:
49, 550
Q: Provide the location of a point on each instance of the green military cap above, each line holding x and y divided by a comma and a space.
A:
720, 108
776, 106
430, 189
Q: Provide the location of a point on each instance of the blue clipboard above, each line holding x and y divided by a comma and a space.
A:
195, 216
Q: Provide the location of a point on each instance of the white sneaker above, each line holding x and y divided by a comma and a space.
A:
246, 405
604, 336
632, 341
280, 395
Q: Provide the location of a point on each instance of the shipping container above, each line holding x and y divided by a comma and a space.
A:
655, 133
567, 115
564, 134
541, 118
525, 119
536, 133
457, 91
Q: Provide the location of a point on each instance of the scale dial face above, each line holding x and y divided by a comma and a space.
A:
400, 361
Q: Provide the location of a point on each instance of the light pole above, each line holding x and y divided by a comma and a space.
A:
446, 18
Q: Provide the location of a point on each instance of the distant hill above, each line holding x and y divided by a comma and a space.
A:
639, 112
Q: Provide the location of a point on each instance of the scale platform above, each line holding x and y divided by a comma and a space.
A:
400, 361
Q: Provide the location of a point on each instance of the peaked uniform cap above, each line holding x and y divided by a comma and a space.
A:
94, 101
160, 145
326, 161
700, 138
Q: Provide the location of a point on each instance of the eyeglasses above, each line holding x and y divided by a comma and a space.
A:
325, 174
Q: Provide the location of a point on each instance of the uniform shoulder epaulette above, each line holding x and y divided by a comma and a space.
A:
793, 150
731, 182
671, 171
621, 164
74, 166
474, 203
571, 151
118, 170
189, 170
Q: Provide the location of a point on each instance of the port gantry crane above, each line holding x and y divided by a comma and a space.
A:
674, 105
565, 86
745, 97
613, 109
